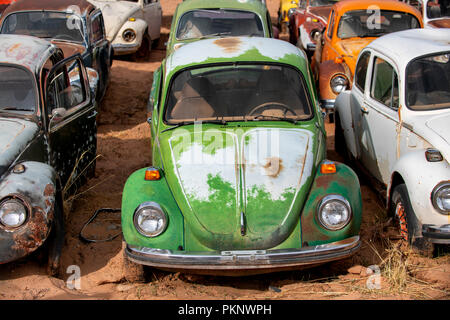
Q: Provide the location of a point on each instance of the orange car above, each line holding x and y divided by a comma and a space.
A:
352, 25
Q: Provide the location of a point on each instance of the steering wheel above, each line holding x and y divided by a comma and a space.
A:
273, 105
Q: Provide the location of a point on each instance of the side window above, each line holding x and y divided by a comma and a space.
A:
331, 26
384, 87
361, 70
97, 28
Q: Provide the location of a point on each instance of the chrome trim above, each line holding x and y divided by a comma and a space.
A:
244, 259
328, 198
327, 104
121, 48
437, 234
153, 205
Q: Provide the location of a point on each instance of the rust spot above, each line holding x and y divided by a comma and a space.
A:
273, 167
34, 233
229, 45
49, 190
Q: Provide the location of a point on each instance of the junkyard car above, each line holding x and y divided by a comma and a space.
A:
436, 13
353, 24
132, 26
239, 180
308, 21
48, 141
286, 8
3, 5
75, 27
200, 19
395, 122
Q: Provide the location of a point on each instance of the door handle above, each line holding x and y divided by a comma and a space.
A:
93, 115
364, 109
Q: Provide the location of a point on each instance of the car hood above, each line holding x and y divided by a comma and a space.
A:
440, 23
15, 134
322, 12
115, 14
350, 48
242, 179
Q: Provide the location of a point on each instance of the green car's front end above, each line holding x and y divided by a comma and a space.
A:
239, 182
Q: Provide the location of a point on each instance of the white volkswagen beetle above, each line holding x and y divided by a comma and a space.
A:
131, 25
396, 123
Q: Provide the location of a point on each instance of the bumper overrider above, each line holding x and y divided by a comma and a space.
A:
244, 259
437, 234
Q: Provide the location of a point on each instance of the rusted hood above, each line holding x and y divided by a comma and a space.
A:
441, 23
253, 179
321, 12
69, 49
15, 134
350, 49
115, 14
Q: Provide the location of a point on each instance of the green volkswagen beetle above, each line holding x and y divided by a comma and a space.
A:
239, 182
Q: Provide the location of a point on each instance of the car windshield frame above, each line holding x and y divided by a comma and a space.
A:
245, 118
81, 28
376, 33
413, 108
427, 12
214, 11
35, 90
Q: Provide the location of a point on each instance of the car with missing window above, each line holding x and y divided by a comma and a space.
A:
74, 26
352, 25
200, 19
239, 181
132, 26
394, 122
47, 142
308, 21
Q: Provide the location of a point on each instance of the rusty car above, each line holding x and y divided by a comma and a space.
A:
307, 23
395, 123
75, 26
285, 9
3, 5
48, 142
132, 26
239, 182
199, 19
435, 13
352, 25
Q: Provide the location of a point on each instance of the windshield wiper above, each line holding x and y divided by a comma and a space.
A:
275, 118
218, 34
185, 123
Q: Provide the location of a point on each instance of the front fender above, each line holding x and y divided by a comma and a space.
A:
37, 188
139, 26
343, 109
327, 70
345, 183
421, 177
136, 191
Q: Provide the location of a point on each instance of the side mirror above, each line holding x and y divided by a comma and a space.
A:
57, 115
276, 32
93, 81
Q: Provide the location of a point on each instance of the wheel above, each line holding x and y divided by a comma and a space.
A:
340, 146
406, 221
143, 53
132, 272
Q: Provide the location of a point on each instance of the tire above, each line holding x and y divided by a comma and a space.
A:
340, 146
56, 240
143, 54
132, 272
406, 221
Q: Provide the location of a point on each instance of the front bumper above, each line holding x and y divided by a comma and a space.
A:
122, 48
256, 260
328, 105
437, 234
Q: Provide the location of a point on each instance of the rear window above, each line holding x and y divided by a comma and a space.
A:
17, 90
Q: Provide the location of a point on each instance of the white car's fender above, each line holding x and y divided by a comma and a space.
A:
343, 108
139, 26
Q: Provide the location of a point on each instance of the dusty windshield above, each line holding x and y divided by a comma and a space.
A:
45, 24
319, 3
219, 22
17, 91
367, 23
237, 93
428, 83
438, 9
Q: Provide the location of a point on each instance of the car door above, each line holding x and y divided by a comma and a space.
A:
379, 133
328, 50
153, 14
71, 119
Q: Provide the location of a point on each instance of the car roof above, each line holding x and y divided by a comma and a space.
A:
84, 6
404, 46
25, 51
236, 49
394, 5
247, 5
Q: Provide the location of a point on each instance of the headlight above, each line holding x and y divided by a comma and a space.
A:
441, 198
150, 219
315, 34
338, 84
334, 212
129, 35
13, 213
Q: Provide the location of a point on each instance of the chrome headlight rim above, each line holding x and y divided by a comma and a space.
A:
434, 196
334, 197
344, 83
131, 32
17, 198
153, 205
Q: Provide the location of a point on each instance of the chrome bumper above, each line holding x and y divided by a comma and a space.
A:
122, 49
244, 260
437, 234
328, 105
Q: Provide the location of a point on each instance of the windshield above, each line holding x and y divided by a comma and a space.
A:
365, 23
44, 24
438, 9
17, 92
319, 3
218, 22
428, 82
236, 93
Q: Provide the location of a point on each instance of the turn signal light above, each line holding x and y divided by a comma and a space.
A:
338, 60
152, 174
328, 168
433, 155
